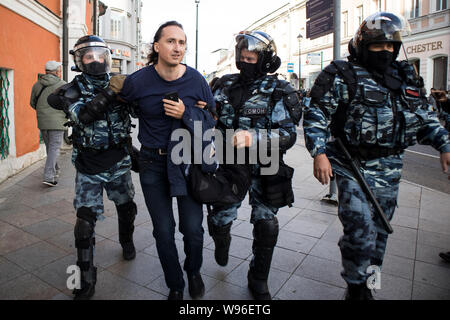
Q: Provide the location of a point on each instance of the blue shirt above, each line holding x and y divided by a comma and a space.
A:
147, 88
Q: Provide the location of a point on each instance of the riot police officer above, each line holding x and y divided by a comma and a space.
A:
374, 104
101, 128
253, 101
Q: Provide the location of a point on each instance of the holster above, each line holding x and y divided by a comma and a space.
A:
277, 188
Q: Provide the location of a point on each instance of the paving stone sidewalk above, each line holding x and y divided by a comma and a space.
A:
37, 244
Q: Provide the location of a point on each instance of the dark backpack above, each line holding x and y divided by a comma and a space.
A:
345, 70
228, 185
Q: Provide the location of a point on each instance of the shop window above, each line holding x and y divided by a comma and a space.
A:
416, 64
440, 66
116, 66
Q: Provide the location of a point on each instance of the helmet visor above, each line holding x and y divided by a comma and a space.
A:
100, 57
384, 27
253, 42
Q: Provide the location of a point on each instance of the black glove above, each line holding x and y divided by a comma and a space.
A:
96, 108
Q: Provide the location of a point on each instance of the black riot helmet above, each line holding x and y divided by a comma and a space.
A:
96, 54
263, 45
376, 28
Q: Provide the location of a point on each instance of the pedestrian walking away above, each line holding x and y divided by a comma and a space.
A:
50, 121
375, 106
101, 156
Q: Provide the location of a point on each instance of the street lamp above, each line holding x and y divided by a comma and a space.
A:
196, 33
299, 38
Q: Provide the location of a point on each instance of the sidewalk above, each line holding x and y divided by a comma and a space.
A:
37, 244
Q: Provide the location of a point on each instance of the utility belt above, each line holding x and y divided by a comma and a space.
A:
370, 153
95, 151
93, 161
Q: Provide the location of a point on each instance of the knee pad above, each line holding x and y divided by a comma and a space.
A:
127, 211
265, 232
84, 228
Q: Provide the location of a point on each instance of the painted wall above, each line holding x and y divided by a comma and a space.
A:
53, 5
25, 48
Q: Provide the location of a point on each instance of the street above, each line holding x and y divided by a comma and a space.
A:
421, 165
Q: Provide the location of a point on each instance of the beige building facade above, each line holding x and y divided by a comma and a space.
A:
428, 43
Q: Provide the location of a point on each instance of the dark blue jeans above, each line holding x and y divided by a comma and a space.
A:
155, 186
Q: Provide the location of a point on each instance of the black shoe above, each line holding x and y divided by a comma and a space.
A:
50, 183
258, 288
175, 295
358, 292
445, 256
196, 286
129, 251
85, 293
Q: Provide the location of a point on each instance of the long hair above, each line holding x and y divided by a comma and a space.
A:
153, 55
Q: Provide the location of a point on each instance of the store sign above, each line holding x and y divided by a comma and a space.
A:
313, 58
429, 46
290, 67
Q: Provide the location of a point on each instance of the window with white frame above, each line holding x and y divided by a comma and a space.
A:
440, 5
345, 23
359, 14
413, 9
117, 25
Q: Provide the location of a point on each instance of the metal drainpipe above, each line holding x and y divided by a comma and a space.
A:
95, 18
65, 40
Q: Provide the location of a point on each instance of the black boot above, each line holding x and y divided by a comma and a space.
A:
358, 292
196, 285
85, 243
222, 239
126, 214
88, 281
445, 256
265, 235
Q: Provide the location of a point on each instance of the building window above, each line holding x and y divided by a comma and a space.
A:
440, 66
345, 23
378, 6
360, 15
117, 25
414, 13
440, 5
4, 109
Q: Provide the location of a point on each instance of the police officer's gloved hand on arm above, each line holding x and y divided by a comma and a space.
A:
116, 82
445, 162
96, 108
322, 168
202, 105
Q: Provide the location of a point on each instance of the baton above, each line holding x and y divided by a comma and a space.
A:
363, 183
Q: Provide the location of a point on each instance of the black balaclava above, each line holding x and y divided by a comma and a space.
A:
248, 71
379, 60
95, 68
